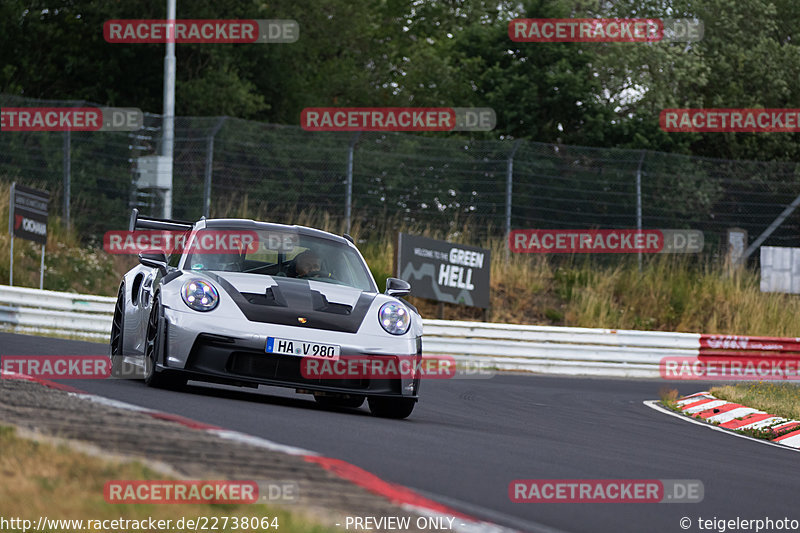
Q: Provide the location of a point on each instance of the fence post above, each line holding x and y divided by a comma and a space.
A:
11, 232
639, 201
509, 188
348, 199
168, 116
67, 170
209, 166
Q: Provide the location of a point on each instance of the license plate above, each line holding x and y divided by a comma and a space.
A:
302, 348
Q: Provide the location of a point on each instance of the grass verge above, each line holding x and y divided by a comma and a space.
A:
42, 479
780, 399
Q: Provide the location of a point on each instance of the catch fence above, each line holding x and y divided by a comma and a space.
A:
226, 166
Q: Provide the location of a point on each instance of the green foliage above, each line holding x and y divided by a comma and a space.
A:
438, 53
749, 57
408, 53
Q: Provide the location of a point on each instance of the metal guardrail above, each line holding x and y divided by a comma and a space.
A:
26, 310
548, 349
559, 350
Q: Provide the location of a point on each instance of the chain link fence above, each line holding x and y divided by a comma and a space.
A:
231, 167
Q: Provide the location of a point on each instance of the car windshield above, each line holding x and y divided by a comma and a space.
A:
277, 253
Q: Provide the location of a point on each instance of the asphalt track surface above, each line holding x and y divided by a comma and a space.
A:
468, 439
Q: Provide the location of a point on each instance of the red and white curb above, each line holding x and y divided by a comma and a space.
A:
734, 416
396, 494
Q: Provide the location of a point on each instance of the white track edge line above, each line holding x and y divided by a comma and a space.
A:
227, 434
653, 404
461, 525
475, 526
520, 524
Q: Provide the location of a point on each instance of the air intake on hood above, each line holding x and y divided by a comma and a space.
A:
272, 296
320, 303
289, 299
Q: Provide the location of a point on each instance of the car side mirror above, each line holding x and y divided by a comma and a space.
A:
397, 287
154, 260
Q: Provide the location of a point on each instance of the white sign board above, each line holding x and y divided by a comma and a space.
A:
780, 269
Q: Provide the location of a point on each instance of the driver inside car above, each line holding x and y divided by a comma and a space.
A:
307, 263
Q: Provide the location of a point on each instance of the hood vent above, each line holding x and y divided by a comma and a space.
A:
284, 302
320, 303
274, 298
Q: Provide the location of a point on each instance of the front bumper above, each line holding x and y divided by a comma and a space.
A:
225, 359
228, 357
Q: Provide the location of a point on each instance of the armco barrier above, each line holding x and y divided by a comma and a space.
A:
549, 349
26, 310
559, 350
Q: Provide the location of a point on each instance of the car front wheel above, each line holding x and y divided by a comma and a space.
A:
153, 344
116, 333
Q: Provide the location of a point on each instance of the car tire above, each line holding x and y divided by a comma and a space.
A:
116, 340
152, 341
391, 407
353, 402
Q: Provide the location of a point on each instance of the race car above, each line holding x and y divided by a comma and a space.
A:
248, 303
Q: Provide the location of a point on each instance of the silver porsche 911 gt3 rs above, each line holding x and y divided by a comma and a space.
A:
253, 313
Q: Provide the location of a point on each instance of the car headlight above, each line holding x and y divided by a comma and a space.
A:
200, 295
395, 318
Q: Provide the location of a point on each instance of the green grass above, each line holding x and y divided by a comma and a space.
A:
779, 399
775, 398
42, 479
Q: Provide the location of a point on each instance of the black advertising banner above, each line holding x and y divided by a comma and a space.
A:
443, 271
28, 217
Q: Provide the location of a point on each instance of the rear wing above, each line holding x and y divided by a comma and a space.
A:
138, 222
